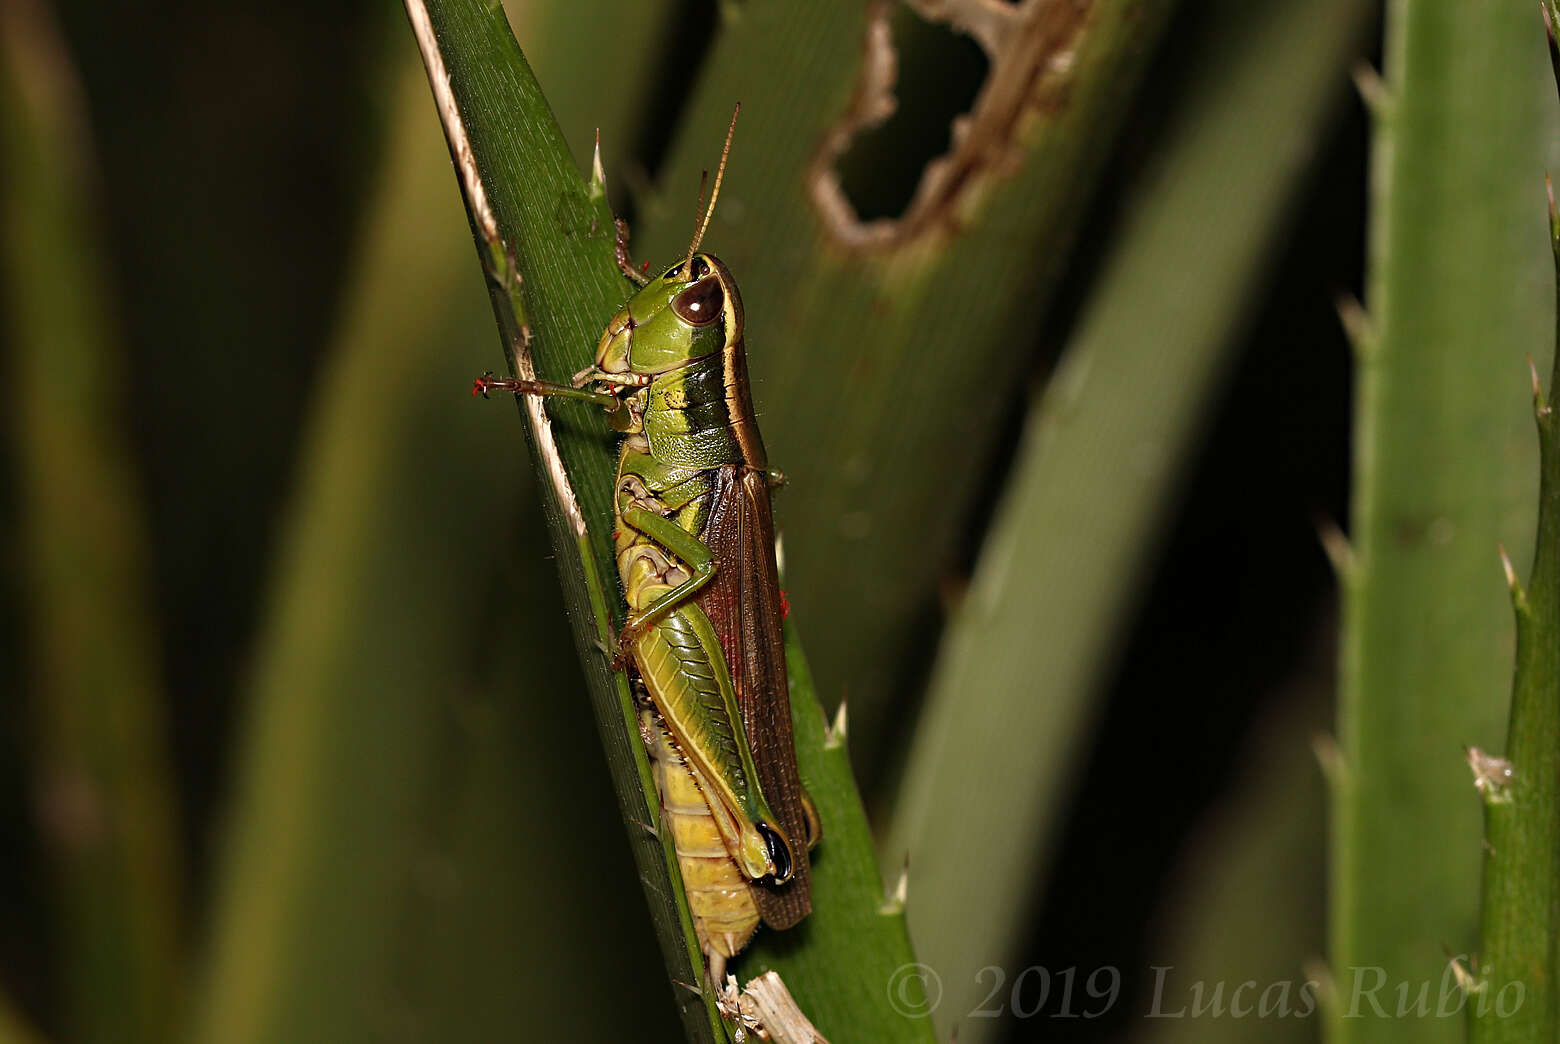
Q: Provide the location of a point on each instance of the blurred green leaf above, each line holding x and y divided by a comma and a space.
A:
1097, 472
14, 1031
105, 798
1223, 928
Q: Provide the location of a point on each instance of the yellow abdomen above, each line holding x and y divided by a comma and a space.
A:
724, 914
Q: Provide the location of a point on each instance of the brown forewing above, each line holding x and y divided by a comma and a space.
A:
742, 601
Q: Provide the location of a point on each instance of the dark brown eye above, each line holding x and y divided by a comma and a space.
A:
701, 303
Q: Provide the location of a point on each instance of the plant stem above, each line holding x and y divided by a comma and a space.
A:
1520, 923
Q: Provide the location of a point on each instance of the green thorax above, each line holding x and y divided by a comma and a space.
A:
700, 415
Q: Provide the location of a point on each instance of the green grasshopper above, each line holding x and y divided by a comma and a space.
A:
694, 540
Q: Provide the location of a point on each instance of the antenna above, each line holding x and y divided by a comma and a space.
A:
698, 232
720, 172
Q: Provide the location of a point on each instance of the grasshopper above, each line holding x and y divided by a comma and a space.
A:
694, 543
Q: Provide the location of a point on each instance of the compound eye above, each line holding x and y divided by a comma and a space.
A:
701, 303
700, 269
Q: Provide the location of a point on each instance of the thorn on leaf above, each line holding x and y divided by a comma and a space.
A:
1492, 776
894, 901
1356, 324
1374, 91
1329, 757
834, 734
1336, 545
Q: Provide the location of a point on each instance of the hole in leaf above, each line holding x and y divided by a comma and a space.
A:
940, 73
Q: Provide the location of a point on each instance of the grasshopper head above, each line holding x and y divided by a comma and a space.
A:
692, 310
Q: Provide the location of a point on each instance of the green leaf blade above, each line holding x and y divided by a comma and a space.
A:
566, 286
1459, 287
